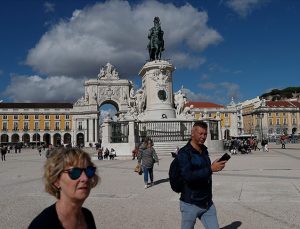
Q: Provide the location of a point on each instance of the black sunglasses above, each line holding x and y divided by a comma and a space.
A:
75, 173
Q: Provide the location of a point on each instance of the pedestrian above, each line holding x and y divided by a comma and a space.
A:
282, 140
147, 157
69, 176
100, 153
135, 152
40, 150
196, 170
3, 152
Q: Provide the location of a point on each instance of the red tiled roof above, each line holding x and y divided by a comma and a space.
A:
295, 103
203, 105
279, 104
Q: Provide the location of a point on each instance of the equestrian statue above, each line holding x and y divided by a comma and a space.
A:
156, 41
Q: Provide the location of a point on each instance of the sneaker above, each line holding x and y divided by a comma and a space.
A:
146, 186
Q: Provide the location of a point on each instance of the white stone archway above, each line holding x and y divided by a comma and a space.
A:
107, 88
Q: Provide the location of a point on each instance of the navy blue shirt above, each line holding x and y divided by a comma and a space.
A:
195, 168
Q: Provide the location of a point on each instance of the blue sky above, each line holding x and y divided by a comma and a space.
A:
220, 48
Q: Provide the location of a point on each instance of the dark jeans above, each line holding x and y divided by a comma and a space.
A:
146, 171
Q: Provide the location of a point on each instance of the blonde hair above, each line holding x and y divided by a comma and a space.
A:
58, 160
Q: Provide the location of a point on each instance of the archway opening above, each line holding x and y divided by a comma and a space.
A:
67, 138
47, 139
26, 139
57, 139
108, 109
4, 138
15, 138
80, 140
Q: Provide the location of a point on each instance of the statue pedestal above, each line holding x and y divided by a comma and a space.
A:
157, 84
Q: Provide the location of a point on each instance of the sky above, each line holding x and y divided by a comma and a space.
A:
222, 49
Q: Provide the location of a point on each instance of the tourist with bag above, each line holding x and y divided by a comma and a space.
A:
194, 182
147, 157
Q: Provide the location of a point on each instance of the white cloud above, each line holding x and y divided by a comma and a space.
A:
50, 89
192, 96
1, 72
230, 90
49, 7
215, 92
116, 31
208, 85
245, 7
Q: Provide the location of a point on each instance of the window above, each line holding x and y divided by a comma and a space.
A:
277, 121
284, 121
4, 126
67, 125
36, 117
226, 114
270, 122
36, 125
277, 114
56, 116
283, 114
79, 125
5, 117
294, 121
26, 117
47, 117
47, 126
56, 125
16, 126
270, 114
67, 116
209, 115
16, 117
26, 124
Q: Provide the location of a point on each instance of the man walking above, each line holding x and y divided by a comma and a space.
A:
196, 170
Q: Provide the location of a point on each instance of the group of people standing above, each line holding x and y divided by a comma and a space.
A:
106, 154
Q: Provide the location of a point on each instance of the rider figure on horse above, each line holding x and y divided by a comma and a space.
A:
156, 41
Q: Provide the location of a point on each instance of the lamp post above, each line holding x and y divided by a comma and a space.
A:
261, 116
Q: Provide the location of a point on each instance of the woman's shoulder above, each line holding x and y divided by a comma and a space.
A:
89, 218
46, 219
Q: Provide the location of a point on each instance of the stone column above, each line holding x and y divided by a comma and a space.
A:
157, 84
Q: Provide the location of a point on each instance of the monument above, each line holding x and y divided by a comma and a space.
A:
153, 110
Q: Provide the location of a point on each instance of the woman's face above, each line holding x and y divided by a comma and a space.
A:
74, 189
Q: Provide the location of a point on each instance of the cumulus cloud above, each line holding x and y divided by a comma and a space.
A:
218, 92
51, 89
193, 96
116, 32
49, 7
245, 7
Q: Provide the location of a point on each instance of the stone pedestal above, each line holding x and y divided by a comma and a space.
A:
157, 84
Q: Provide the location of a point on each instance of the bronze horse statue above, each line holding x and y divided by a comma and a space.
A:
156, 41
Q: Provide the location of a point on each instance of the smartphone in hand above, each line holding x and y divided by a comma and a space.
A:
225, 157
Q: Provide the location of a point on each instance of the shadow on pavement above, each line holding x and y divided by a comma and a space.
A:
161, 181
233, 225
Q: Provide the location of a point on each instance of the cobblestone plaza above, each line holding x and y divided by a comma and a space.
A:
257, 190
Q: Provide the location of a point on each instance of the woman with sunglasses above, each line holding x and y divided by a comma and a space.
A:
69, 175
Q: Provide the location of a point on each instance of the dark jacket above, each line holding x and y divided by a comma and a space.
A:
196, 171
